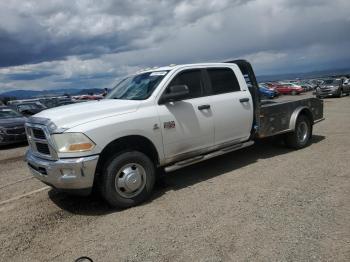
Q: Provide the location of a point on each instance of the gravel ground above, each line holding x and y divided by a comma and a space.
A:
263, 203
12, 152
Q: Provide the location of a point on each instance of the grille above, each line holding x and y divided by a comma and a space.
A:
15, 131
38, 141
38, 133
42, 148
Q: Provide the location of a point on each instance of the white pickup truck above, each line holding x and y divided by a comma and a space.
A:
167, 118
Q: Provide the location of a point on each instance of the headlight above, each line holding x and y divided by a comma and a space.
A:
72, 142
2, 130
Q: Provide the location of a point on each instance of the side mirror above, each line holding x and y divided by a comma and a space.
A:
176, 93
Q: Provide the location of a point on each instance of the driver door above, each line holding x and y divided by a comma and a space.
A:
187, 125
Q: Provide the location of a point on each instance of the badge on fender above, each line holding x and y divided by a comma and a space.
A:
169, 125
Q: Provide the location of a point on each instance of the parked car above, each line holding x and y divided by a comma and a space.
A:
11, 126
48, 102
314, 83
65, 102
51, 102
306, 86
271, 84
288, 88
165, 118
22, 101
332, 87
28, 108
89, 97
267, 92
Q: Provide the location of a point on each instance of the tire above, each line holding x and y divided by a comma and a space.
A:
340, 93
300, 138
293, 93
128, 179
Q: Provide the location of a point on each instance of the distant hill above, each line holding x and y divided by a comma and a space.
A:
24, 94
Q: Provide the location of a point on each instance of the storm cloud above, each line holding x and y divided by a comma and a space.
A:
84, 43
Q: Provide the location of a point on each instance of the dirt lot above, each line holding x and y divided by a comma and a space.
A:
263, 203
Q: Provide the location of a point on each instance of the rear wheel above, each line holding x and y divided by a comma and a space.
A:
340, 93
300, 138
128, 179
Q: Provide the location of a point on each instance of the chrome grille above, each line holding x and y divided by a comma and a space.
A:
39, 140
38, 133
42, 148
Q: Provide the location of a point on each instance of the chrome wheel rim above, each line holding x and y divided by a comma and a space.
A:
130, 180
302, 132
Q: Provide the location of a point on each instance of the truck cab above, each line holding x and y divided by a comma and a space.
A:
165, 118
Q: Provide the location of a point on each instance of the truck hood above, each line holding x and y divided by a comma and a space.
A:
69, 116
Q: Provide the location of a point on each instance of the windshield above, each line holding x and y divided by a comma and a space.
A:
137, 87
8, 113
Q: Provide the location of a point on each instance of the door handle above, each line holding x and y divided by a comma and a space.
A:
203, 107
242, 100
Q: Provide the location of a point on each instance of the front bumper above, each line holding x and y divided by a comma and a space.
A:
328, 92
66, 174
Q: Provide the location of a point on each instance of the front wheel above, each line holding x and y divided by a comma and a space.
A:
128, 179
294, 93
300, 138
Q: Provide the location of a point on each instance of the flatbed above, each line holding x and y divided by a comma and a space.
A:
277, 117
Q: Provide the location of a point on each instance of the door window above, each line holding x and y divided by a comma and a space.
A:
191, 78
223, 80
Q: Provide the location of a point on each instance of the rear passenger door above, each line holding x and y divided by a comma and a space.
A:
231, 105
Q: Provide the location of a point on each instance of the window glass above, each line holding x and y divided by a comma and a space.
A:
191, 78
137, 87
223, 80
8, 113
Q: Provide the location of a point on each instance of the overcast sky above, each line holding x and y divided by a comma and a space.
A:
82, 44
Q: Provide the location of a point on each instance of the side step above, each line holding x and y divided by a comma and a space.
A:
201, 158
